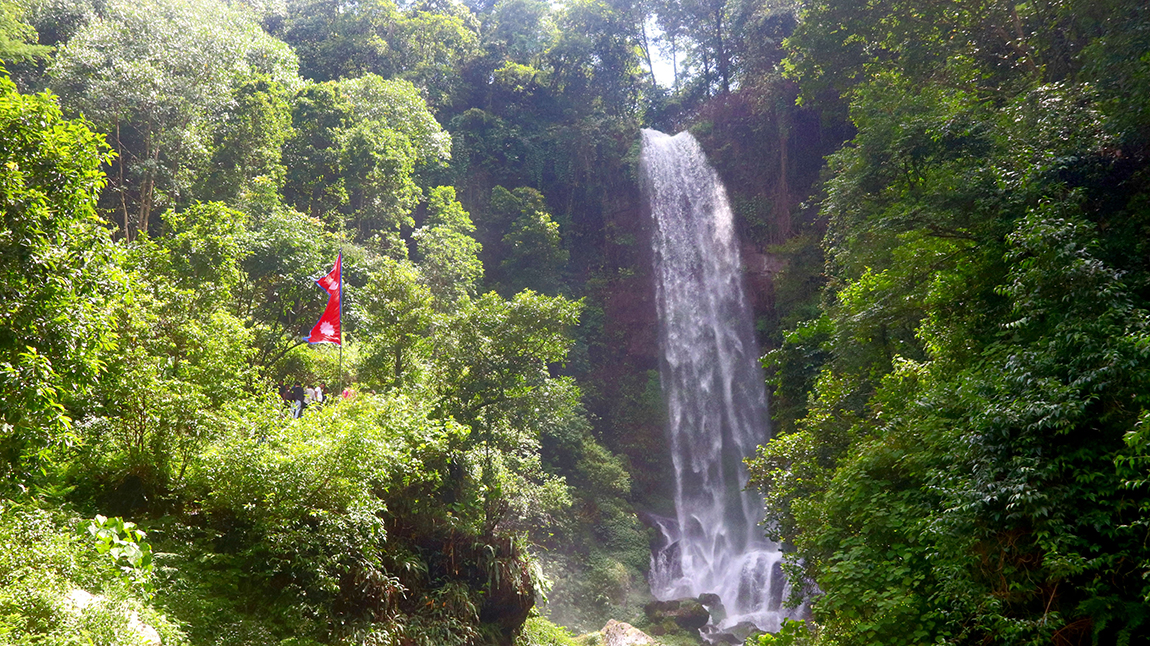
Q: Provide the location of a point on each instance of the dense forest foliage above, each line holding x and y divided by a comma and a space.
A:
962, 424
944, 208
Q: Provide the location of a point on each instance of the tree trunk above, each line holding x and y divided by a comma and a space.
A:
720, 49
145, 204
147, 189
397, 378
707, 72
647, 55
120, 183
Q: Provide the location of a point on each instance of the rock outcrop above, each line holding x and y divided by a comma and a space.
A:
687, 614
618, 633
734, 635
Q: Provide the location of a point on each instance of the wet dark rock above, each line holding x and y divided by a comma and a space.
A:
714, 606
743, 630
778, 582
709, 599
736, 634
716, 636
688, 614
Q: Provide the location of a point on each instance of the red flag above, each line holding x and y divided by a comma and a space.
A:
327, 329
331, 282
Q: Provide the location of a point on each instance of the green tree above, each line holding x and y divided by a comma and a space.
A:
995, 46
490, 372
314, 184
434, 39
397, 310
534, 257
153, 76
493, 353
285, 251
355, 155
959, 472
519, 30
248, 141
185, 353
59, 276
336, 39
377, 165
424, 43
17, 37
448, 255
594, 62
399, 106
393, 134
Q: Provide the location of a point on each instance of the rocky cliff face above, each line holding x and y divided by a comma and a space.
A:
622, 386
760, 268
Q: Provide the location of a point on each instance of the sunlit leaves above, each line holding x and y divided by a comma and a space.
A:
493, 352
59, 588
534, 257
125, 545
247, 142
425, 44
397, 311
357, 147
595, 57
17, 38
449, 256
398, 106
58, 275
153, 76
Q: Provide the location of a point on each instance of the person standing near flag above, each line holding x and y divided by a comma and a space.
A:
297, 397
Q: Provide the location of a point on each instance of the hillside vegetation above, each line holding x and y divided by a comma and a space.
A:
945, 216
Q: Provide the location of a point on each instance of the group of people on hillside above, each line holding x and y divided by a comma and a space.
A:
299, 397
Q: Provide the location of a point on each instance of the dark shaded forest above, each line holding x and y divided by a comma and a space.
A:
944, 209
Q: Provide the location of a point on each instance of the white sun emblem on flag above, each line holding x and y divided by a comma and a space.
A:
327, 329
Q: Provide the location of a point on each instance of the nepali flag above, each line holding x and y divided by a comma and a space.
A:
326, 330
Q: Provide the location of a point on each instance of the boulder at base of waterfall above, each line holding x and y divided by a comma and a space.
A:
688, 614
617, 633
714, 607
736, 634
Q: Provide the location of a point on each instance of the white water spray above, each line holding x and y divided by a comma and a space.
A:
714, 388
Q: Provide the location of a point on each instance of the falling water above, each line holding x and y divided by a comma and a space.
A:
714, 388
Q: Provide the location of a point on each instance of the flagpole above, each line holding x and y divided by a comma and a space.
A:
341, 321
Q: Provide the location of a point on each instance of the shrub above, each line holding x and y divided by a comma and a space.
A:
57, 590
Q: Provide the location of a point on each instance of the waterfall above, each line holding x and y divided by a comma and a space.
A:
714, 389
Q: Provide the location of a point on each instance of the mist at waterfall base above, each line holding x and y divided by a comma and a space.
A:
715, 393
